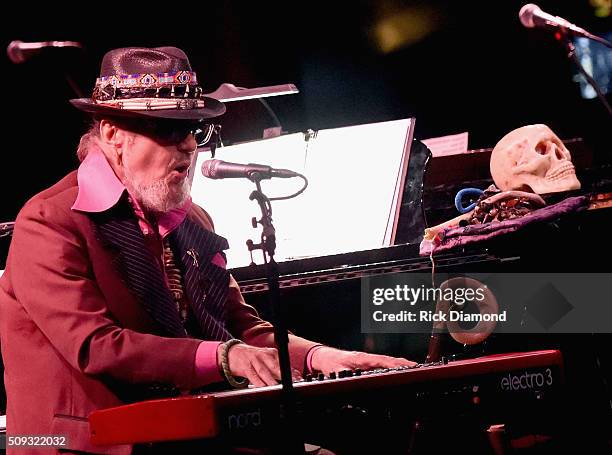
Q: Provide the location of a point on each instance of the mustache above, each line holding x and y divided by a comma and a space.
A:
181, 164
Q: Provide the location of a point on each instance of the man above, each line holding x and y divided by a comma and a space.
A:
115, 287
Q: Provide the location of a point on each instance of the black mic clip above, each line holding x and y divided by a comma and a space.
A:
268, 234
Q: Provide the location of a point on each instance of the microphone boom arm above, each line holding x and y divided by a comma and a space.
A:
571, 53
531, 16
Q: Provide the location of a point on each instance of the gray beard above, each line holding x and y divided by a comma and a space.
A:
157, 196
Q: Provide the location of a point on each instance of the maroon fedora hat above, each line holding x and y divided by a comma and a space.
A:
150, 82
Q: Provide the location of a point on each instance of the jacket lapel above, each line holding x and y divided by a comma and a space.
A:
138, 268
206, 283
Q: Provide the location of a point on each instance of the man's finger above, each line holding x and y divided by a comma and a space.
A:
271, 361
266, 374
295, 374
391, 362
254, 378
381, 361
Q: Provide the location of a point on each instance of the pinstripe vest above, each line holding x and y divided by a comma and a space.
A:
206, 284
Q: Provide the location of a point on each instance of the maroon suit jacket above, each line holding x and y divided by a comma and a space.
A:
70, 328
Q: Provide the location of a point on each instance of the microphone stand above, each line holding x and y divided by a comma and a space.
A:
293, 444
571, 53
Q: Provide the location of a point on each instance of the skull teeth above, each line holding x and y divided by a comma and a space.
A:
562, 172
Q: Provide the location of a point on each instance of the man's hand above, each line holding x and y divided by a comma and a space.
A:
258, 365
326, 360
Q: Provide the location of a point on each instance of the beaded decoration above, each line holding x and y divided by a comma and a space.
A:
239, 383
152, 104
175, 281
148, 80
159, 91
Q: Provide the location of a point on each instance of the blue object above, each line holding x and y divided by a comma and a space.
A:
464, 192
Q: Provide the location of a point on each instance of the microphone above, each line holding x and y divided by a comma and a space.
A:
532, 16
217, 169
19, 52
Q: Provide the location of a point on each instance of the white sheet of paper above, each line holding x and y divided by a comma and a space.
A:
447, 145
349, 205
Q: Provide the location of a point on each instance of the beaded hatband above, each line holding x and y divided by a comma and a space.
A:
178, 90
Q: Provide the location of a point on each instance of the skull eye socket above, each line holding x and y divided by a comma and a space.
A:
551, 147
560, 150
541, 148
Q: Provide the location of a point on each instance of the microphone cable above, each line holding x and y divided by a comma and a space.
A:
291, 196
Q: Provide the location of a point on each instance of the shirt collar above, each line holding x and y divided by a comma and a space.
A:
100, 189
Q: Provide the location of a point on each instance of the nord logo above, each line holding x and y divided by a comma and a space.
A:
526, 380
244, 420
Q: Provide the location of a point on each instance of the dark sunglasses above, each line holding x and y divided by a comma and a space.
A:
171, 132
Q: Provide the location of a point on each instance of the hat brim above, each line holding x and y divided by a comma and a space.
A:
214, 108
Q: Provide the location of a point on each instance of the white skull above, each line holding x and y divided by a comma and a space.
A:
533, 158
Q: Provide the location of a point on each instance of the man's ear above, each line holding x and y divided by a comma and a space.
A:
114, 140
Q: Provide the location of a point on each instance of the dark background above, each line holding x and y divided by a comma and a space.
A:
463, 66
470, 66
